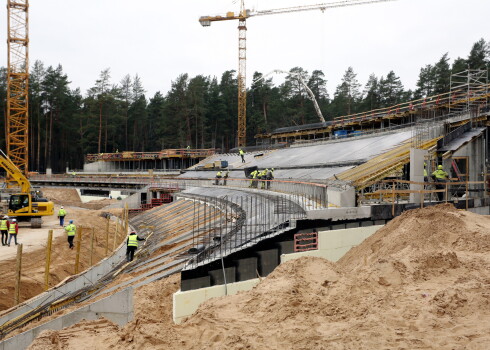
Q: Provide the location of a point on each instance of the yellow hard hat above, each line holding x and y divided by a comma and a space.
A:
439, 167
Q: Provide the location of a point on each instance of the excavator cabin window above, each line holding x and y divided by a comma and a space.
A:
18, 201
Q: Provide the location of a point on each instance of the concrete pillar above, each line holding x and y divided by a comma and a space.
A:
416, 172
49, 172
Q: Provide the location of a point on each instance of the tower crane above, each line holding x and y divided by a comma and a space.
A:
311, 95
17, 85
242, 30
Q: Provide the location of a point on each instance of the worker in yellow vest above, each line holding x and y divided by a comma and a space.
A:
218, 176
13, 231
5, 229
132, 245
70, 230
61, 215
440, 176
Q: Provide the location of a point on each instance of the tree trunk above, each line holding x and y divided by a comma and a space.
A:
38, 160
50, 138
100, 128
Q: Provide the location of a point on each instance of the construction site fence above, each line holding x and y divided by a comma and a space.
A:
245, 220
309, 196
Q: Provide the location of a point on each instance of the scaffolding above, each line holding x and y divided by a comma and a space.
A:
469, 86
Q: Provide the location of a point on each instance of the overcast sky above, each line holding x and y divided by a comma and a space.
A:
161, 39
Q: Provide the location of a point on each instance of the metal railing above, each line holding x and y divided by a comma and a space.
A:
398, 191
244, 221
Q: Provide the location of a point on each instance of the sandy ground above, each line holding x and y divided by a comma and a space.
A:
63, 259
421, 282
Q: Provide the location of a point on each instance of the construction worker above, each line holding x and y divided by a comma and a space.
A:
70, 230
13, 231
61, 215
4, 227
253, 177
225, 177
269, 177
440, 176
242, 154
262, 176
132, 245
425, 172
218, 176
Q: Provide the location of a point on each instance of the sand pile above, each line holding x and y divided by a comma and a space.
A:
64, 196
421, 282
70, 197
62, 258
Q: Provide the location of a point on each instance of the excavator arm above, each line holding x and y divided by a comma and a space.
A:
14, 172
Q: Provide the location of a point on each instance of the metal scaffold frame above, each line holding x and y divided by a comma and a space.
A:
467, 85
18, 83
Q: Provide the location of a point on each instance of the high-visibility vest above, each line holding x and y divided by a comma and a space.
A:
62, 212
12, 227
70, 230
133, 241
3, 225
440, 174
241, 152
218, 174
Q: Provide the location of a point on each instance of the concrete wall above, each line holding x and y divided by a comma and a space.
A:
332, 245
342, 197
475, 150
117, 308
186, 303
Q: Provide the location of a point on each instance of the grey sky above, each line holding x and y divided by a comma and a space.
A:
159, 40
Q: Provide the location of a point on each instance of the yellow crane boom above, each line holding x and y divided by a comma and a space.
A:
18, 84
242, 29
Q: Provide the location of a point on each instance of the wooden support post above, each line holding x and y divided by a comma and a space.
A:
92, 247
18, 268
126, 219
117, 229
79, 244
445, 195
107, 236
393, 199
467, 194
48, 259
114, 239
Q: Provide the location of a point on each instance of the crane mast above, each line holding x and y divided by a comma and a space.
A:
242, 56
18, 84
242, 78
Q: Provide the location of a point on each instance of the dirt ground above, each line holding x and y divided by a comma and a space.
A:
421, 282
34, 243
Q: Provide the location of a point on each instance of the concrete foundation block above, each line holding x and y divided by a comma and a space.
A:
217, 276
268, 261
366, 223
338, 227
246, 269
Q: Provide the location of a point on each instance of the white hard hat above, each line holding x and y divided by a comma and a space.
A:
61, 207
14, 220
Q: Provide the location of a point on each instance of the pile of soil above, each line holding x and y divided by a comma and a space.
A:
62, 258
70, 197
421, 282
62, 196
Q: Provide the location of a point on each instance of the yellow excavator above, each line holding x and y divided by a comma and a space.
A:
28, 205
